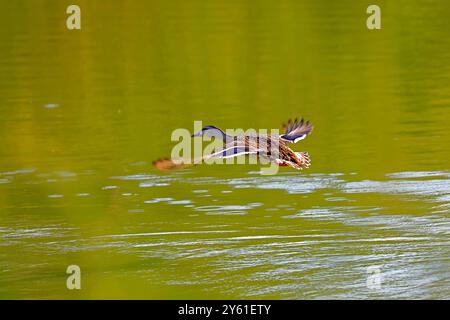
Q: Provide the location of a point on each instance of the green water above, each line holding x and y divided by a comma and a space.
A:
83, 113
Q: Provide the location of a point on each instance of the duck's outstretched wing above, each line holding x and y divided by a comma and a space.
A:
231, 150
295, 131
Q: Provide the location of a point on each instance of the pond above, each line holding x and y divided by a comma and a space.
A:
83, 113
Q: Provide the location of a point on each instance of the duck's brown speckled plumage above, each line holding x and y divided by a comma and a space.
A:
274, 149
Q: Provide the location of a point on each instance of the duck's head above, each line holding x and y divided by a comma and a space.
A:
211, 131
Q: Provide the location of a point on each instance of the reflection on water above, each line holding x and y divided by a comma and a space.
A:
83, 114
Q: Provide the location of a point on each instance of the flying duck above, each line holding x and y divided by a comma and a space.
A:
275, 148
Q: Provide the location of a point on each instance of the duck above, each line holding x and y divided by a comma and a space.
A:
275, 148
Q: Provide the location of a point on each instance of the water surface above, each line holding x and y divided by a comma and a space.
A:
84, 113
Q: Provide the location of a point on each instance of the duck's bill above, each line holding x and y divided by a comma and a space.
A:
198, 134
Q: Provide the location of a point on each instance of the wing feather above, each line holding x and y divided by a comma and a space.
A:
296, 130
232, 151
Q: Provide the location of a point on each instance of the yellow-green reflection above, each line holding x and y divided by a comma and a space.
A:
83, 114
